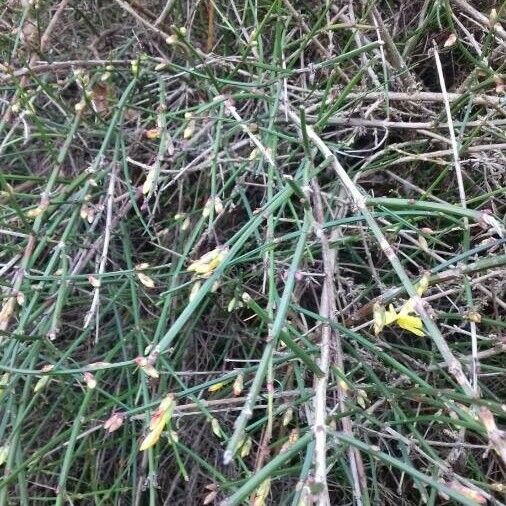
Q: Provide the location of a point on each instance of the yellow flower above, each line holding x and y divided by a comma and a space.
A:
217, 386
153, 436
390, 315
158, 421
260, 494
422, 285
206, 264
382, 317
408, 322
411, 323
246, 447
403, 319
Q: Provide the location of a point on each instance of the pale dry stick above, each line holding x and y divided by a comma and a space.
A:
395, 58
402, 125
9, 302
40, 66
430, 156
203, 160
305, 28
247, 37
359, 41
444, 467
186, 410
436, 367
54, 21
327, 311
182, 409
491, 295
451, 129
475, 283
414, 187
165, 11
383, 59
409, 238
420, 96
496, 437
455, 329
10, 263
330, 33
500, 43
367, 251
128, 8
87, 252
233, 112
105, 250
462, 195
469, 36
8, 306
481, 18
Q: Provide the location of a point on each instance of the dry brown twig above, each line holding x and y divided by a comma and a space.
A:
328, 337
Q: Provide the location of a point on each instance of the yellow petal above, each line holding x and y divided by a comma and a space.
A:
90, 380
407, 308
218, 205
246, 447
215, 425
20, 298
188, 131
6, 311
390, 315
238, 385
261, 493
379, 318
194, 290
147, 367
152, 438
148, 183
93, 281
209, 256
167, 404
287, 417
208, 262
158, 421
150, 371
44, 380
422, 285
145, 280
34, 213
41, 384
207, 208
199, 267
152, 133
474, 495
411, 323
217, 386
